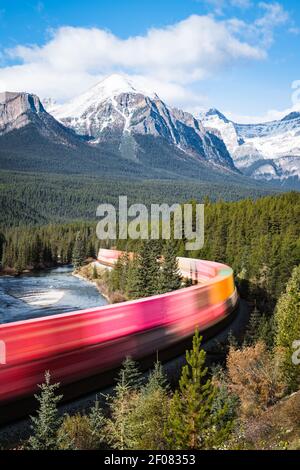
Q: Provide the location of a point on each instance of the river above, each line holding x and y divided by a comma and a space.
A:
45, 293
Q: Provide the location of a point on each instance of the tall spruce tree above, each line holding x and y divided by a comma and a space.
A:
253, 327
46, 424
97, 422
170, 278
145, 277
130, 374
157, 379
192, 423
132, 285
78, 255
149, 415
118, 430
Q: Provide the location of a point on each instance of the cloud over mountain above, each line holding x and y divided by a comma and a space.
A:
75, 58
172, 59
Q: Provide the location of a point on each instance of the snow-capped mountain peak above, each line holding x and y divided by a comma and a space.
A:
269, 150
115, 84
216, 121
108, 89
120, 110
291, 116
213, 112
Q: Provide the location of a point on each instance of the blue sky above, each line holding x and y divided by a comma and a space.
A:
240, 56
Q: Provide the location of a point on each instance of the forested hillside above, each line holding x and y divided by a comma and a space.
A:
28, 198
259, 239
244, 405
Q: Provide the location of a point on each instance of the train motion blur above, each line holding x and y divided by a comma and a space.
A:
85, 343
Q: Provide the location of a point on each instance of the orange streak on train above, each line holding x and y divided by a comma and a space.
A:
84, 343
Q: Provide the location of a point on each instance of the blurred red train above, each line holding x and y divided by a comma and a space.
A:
81, 344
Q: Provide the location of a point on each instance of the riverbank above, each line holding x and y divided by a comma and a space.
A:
31, 269
98, 276
101, 289
45, 293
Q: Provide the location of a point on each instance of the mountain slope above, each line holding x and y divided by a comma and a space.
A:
268, 151
19, 110
141, 138
33, 140
116, 108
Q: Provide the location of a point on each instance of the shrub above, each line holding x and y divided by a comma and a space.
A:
254, 377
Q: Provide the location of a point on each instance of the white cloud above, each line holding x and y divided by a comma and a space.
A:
168, 60
220, 5
174, 56
190, 49
261, 31
274, 16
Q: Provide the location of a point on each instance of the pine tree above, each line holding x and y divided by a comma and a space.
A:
37, 250
157, 379
46, 424
119, 274
97, 423
149, 414
91, 252
232, 340
117, 428
132, 286
145, 275
170, 278
78, 252
226, 403
287, 320
20, 263
191, 423
130, 374
75, 433
149, 270
253, 327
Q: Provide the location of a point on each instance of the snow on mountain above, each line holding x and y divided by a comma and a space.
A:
49, 104
264, 151
109, 88
118, 107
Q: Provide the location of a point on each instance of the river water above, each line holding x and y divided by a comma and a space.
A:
45, 293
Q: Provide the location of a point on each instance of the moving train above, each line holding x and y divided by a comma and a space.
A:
86, 343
